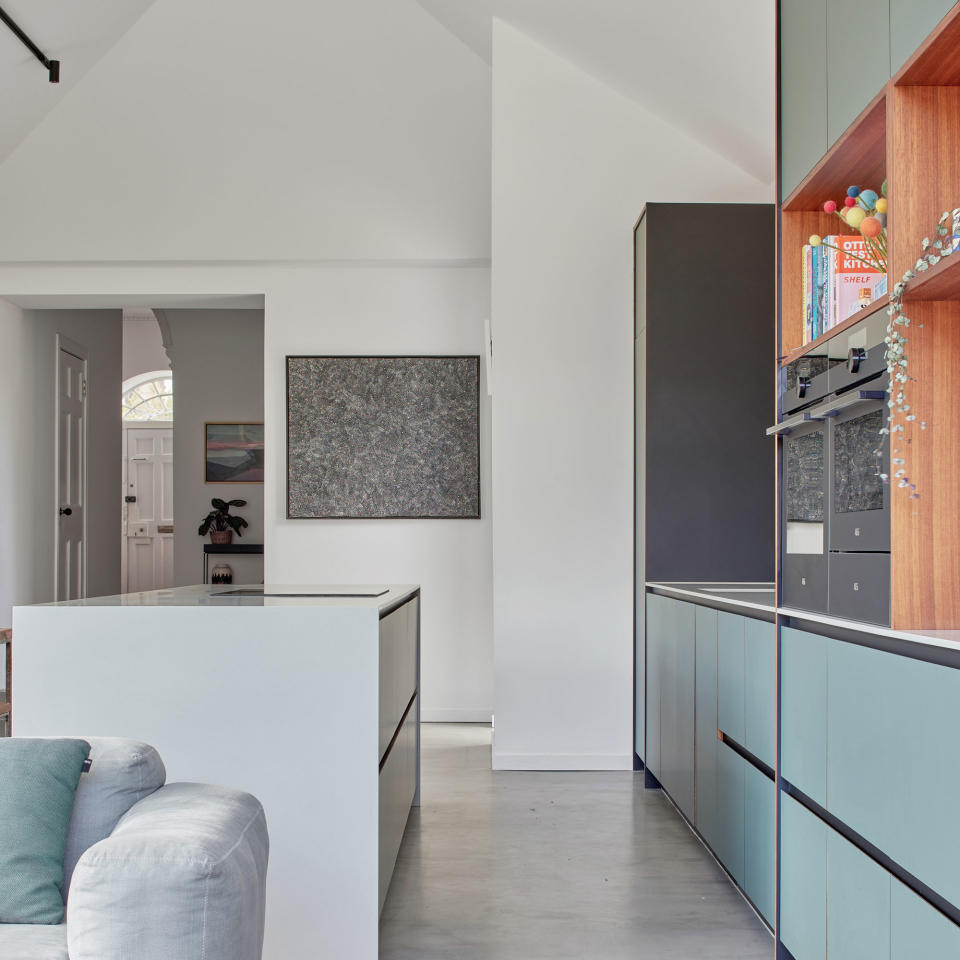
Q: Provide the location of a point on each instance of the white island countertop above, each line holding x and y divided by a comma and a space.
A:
380, 596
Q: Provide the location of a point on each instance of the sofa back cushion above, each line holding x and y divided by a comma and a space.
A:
122, 772
38, 782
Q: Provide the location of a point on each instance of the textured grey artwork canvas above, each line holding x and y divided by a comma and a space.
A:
383, 437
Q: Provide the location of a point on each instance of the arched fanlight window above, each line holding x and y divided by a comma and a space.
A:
148, 396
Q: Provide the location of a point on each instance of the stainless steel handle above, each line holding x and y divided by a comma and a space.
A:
791, 423
847, 400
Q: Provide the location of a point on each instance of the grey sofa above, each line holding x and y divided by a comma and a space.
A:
154, 872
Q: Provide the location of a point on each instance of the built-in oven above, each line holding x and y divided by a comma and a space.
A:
835, 503
804, 515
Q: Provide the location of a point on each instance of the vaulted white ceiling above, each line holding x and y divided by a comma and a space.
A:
76, 32
706, 66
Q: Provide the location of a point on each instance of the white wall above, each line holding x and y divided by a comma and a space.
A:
218, 367
331, 309
142, 347
28, 444
334, 129
573, 164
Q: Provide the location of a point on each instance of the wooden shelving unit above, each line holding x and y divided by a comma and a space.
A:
909, 134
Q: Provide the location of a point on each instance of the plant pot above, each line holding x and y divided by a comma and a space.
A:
222, 537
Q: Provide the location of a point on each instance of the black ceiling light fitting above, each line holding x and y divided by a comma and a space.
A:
53, 66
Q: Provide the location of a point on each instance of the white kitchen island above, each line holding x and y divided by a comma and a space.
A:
307, 697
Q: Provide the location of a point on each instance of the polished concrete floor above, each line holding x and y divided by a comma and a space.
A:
549, 866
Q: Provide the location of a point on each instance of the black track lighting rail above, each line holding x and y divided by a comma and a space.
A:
53, 66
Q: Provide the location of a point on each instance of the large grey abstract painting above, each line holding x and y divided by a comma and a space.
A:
383, 437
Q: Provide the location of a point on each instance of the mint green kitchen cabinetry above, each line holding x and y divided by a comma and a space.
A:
706, 725
858, 903
910, 23
803, 881
730, 675
917, 930
677, 707
803, 711
759, 840
760, 690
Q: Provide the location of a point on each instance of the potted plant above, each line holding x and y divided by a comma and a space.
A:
220, 523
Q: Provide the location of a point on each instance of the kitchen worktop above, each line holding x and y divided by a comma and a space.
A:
749, 596
379, 596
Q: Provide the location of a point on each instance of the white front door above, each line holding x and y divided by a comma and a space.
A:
148, 500
70, 575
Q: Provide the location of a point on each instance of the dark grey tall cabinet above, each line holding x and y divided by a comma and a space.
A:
704, 347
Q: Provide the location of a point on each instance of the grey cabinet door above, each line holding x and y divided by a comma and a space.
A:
659, 616
803, 88
910, 22
677, 708
858, 35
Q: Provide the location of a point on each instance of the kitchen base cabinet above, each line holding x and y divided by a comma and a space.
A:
730, 675
917, 930
858, 903
760, 690
730, 809
803, 881
677, 708
658, 636
706, 725
803, 712
759, 840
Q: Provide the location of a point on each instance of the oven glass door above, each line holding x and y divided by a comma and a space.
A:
804, 518
859, 497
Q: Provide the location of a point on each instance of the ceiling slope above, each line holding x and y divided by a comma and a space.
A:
705, 67
77, 34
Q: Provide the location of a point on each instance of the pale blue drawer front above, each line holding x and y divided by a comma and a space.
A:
917, 930
677, 707
760, 710
892, 770
759, 865
706, 783
730, 675
858, 903
658, 630
803, 712
730, 808
803, 881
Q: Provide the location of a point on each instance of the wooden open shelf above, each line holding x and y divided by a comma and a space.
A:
859, 157
841, 327
909, 135
940, 282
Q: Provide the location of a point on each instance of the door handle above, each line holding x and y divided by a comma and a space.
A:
66, 512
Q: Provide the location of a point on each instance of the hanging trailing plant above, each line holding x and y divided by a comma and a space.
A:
896, 340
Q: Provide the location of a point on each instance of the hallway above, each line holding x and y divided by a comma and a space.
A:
531, 866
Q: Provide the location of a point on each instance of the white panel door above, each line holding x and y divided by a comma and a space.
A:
70, 574
149, 519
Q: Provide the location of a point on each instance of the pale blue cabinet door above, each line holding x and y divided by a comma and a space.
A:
892, 770
706, 782
759, 865
858, 36
910, 23
803, 881
858, 903
760, 709
803, 712
803, 88
917, 930
730, 675
730, 806
659, 618
677, 708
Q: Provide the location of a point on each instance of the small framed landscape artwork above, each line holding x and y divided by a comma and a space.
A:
233, 453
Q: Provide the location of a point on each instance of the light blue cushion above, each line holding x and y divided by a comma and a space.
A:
121, 773
31, 941
38, 781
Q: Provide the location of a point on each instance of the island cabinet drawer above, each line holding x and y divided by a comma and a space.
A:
398, 667
398, 787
